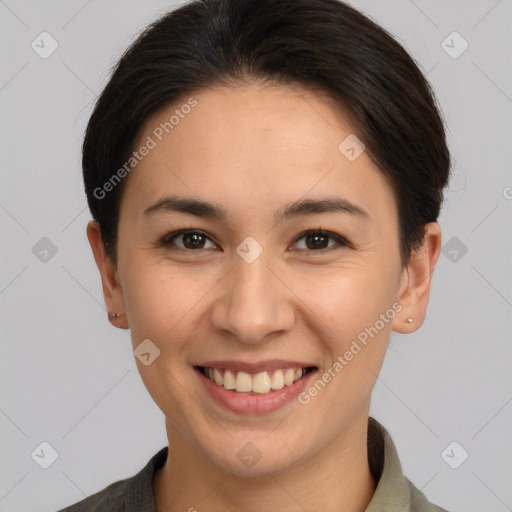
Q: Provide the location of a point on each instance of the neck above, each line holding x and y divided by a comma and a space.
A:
337, 479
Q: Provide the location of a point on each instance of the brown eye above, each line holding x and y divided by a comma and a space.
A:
193, 240
318, 240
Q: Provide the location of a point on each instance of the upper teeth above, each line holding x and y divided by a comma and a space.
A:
258, 383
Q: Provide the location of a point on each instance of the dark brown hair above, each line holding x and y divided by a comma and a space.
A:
325, 45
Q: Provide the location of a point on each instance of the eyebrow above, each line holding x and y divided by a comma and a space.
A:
207, 209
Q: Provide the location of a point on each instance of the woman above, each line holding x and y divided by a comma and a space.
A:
265, 178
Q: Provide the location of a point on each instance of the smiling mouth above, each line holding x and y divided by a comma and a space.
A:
259, 383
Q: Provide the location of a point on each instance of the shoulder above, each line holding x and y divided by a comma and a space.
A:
394, 490
130, 494
419, 502
115, 497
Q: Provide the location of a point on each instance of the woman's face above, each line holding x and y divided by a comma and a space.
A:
254, 287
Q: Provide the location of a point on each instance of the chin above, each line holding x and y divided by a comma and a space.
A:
252, 456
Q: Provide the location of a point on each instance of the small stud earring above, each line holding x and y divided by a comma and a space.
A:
409, 320
113, 316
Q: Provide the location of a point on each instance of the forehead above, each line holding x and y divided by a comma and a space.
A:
259, 122
247, 146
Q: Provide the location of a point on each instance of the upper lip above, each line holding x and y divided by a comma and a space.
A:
258, 367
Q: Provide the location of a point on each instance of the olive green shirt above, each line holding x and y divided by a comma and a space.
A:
394, 492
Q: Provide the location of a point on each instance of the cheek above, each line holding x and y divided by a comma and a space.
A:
163, 302
348, 299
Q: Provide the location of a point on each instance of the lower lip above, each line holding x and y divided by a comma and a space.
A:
254, 403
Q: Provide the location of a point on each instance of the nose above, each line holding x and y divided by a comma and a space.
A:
253, 302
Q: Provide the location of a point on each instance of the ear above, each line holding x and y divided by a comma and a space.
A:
416, 280
112, 292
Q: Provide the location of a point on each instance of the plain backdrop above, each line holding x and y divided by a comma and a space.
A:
69, 379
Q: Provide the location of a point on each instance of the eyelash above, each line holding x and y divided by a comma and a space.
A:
167, 240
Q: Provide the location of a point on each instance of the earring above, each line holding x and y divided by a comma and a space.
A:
409, 320
113, 316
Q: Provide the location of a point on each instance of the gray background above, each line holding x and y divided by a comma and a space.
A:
69, 378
